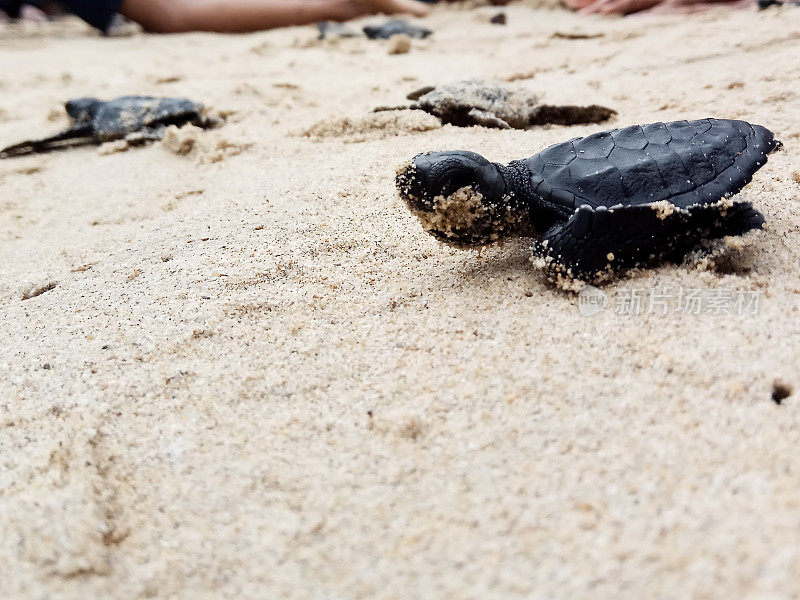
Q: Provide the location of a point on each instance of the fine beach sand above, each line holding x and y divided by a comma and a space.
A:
232, 365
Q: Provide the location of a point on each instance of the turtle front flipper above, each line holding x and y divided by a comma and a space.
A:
397, 107
74, 136
597, 242
486, 119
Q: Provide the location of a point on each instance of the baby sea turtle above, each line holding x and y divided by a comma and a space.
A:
133, 118
332, 29
468, 103
395, 27
599, 204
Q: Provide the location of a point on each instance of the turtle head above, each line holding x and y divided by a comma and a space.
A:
82, 110
459, 197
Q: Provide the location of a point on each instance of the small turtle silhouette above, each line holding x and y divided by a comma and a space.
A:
394, 27
599, 204
332, 29
134, 118
468, 103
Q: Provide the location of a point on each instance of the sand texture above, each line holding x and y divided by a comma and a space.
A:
233, 365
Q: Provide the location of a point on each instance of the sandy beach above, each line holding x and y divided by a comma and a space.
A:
233, 365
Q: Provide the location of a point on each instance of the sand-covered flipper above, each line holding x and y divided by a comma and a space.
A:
601, 241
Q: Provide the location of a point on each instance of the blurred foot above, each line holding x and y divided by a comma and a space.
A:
677, 7
627, 7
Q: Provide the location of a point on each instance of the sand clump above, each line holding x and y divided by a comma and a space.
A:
731, 255
372, 126
456, 212
665, 209
181, 140
114, 147
399, 44
209, 148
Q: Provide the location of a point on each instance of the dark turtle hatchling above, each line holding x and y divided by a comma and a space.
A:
468, 103
332, 29
394, 27
133, 118
599, 204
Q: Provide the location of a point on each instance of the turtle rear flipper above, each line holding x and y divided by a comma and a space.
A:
595, 242
74, 136
486, 119
146, 134
549, 114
